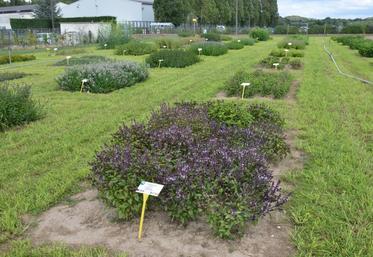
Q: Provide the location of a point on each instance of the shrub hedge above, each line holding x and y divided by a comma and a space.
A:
168, 43
295, 44
176, 58
276, 84
234, 45
259, 34
102, 77
291, 53
363, 45
16, 106
247, 41
136, 48
212, 36
71, 51
4, 59
208, 167
209, 48
83, 60
5, 76
296, 64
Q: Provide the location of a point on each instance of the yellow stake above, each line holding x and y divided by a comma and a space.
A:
145, 199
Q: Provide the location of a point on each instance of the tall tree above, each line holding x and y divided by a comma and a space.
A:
174, 11
47, 9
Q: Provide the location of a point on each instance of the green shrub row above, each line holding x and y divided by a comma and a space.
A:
210, 36
259, 34
4, 59
176, 58
71, 51
88, 59
276, 84
136, 48
363, 45
16, 106
209, 48
234, 45
289, 43
247, 41
102, 77
168, 43
5, 76
282, 53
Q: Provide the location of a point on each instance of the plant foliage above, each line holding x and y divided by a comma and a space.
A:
176, 58
208, 167
209, 48
102, 77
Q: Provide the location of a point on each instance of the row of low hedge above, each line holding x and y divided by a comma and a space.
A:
177, 58
263, 83
268, 62
6, 76
88, 59
16, 106
211, 158
209, 48
102, 77
363, 45
298, 42
136, 48
16, 58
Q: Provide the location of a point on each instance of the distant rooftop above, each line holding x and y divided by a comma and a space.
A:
19, 8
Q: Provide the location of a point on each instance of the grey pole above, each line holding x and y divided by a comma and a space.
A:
236, 17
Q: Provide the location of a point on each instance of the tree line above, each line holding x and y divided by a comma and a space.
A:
250, 12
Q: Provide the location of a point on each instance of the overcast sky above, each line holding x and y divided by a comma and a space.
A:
326, 8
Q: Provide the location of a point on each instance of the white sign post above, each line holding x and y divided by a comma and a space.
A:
146, 189
244, 85
160, 62
68, 60
199, 51
286, 52
276, 65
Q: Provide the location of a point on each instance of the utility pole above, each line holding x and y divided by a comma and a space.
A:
52, 14
236, 17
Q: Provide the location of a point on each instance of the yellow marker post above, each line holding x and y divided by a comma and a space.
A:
146, 189
145, 199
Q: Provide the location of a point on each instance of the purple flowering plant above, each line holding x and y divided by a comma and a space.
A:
211, 169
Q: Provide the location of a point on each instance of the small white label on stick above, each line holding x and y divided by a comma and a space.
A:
149, 188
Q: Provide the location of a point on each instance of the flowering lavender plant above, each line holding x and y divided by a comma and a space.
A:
207, 166
103, 77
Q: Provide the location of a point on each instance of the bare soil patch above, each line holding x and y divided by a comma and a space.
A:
90, 222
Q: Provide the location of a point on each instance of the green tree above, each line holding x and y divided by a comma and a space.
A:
174, 11
46, 8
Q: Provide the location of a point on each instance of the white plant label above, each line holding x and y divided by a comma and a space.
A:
149, 188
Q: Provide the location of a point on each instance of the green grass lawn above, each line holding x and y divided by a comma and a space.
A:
331, 207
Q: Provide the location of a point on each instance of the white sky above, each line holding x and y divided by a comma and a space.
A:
327, 8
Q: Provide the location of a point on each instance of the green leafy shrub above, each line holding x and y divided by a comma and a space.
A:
185, 34
259, 34
102, 77
5, 76
117, 35
16, 106
168, 43
363, 45
270, 60
230, 113
83, 60
225, 37
209, 48
212, 36
294, 43
16, 58
208, 167
296, 64
71, 51
276, 84
176, 58
282, 53
247, 41
234, 45
136, 48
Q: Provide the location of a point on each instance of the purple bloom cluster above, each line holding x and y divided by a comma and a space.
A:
205, 165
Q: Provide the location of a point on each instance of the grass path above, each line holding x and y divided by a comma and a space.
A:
332, 206
44, 161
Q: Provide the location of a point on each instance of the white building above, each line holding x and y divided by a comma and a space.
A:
123, 10
15, 12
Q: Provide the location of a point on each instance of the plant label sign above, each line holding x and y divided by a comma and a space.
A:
149, 188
